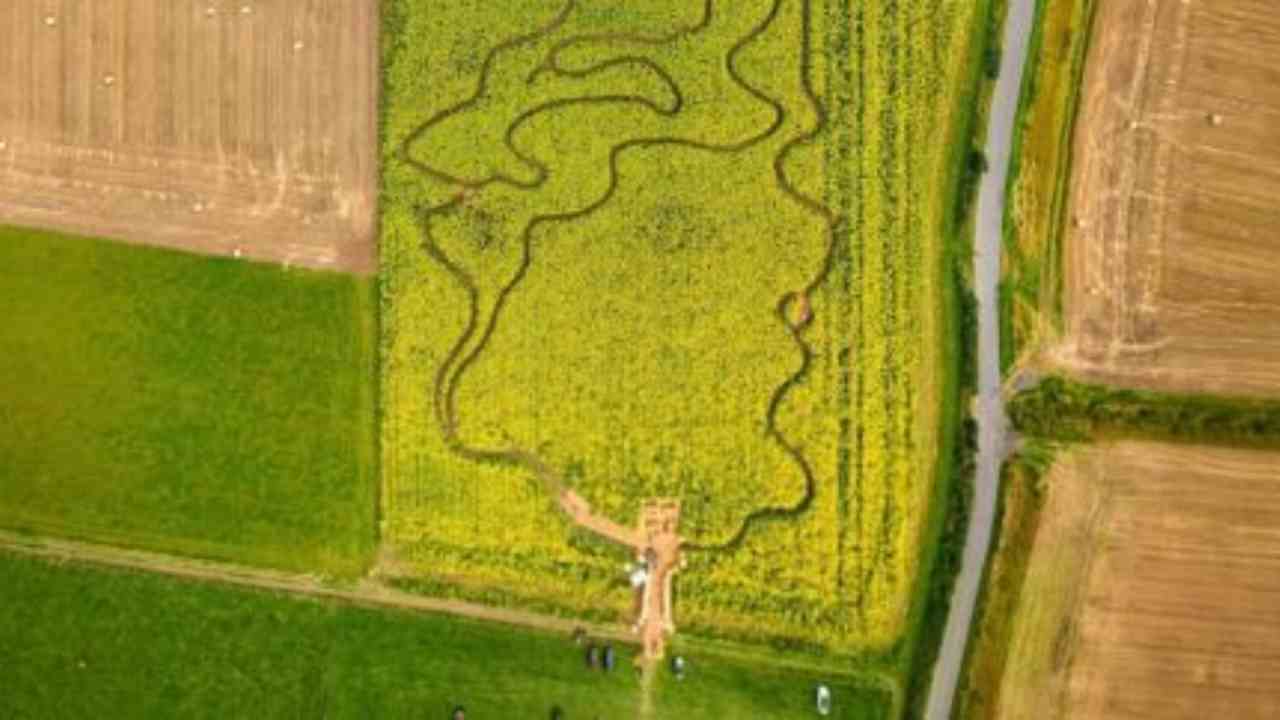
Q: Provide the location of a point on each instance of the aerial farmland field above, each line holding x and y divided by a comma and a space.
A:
647, 322
157, 397
1170, 265
221, 127
197, 650
677, 250
202, 406
1134, 578
1149, 589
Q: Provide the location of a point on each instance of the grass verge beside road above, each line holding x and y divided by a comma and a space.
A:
1031, 287
1018, 515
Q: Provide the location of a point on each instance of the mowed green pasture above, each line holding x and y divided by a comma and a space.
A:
87, 642
196, 405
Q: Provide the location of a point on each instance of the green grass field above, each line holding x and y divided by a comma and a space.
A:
76, 640
187, 404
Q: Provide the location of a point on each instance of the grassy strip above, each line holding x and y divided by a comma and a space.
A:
1017, 518
175, 402
81, 641
984, 71
1031, 289
949, 507
723, 688
1061, 409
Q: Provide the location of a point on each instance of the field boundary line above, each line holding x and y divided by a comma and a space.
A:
365, 593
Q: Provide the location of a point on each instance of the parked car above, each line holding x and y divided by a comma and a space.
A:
609, 658
822, 698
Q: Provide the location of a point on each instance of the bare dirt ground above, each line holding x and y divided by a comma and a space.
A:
1171, 254
207, 125
1161, 602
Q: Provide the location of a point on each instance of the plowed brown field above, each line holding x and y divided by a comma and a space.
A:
1152, 590
208, 125
1172, 256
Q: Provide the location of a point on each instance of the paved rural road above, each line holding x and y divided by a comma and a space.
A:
989, 410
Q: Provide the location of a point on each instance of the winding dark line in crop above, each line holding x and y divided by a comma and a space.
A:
614, 180
456, 271
481, 90
459, 274
551, 63
448, 376
833, 222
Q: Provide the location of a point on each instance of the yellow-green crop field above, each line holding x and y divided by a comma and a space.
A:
670, 249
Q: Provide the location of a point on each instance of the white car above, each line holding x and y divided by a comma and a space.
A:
822, 698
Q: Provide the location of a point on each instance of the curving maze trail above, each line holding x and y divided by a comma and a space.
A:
478, 330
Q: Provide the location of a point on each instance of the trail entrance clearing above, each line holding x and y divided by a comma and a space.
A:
657, 545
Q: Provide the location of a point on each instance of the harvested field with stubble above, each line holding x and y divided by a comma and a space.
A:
210, 126
1171, 258
1150, 590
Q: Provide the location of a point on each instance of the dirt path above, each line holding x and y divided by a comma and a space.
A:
365, 593
659, 521
579, 511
